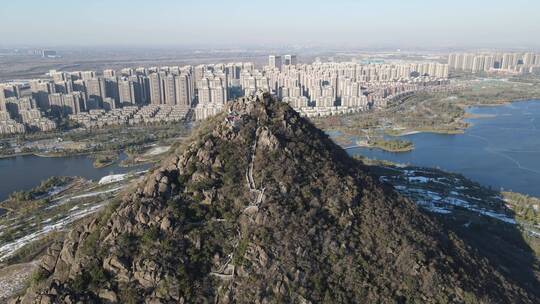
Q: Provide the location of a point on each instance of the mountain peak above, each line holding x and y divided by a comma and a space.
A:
260, 206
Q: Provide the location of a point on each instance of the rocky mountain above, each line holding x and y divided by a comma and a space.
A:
259, 206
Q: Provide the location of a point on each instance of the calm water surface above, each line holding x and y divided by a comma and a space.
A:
26, 172
502, 150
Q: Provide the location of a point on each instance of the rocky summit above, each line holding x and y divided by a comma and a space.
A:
259, 206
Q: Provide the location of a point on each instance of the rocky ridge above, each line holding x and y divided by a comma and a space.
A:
261, 207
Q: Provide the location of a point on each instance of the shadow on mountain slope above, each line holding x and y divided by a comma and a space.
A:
260, 206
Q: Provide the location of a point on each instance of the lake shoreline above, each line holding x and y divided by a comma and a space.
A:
491, 151
46, 155
25, 172
462, 120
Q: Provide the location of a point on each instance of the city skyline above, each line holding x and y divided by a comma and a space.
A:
302, 23
171, 93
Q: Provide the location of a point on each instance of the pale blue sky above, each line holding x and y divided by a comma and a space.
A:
421, 23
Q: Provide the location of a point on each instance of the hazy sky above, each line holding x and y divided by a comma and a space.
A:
407, 23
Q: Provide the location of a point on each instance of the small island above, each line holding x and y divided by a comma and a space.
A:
398, 145
104, 160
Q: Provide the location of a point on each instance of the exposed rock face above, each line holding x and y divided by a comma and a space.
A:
261, 207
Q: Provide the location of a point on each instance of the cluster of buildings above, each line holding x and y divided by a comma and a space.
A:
96, 101
329, 88
171, 93
130, 115
20, 114
517, 63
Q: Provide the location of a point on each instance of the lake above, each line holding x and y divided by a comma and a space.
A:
501, 150
26, 172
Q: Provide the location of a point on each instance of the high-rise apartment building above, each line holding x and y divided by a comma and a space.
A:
452, 58
141, 85
109, 73
459, 62
127, 72
516, 59
198, 74
233, 72
169, 90
85, 75
489, 62
63, 87
182, 88
290, 60
528, 59
510, 62
507, 61
154, 81
218, 92
274, 61
2, 100
126, 92
109, 104
58, 76
203, 91
111, 89
15, 105
66, 104
95, 89
55, 104
73, 103
478, 64
40, 92
468, 62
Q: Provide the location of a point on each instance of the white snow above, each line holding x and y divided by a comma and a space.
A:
500, 217
158, 150
409, 133
418, 179
53, 191
91, 194
433, 196
112, 179
86, 195
534, 233
426, 200
8, 249
456, 202
437, 209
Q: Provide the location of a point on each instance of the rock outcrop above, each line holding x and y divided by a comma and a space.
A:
261, 207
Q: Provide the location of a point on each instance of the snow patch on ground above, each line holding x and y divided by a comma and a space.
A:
86, 195
418, 179
436, 202
112, 179
437, 209
158, 150
495, 215
8, 249
91, 194
53, 191
533, 233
